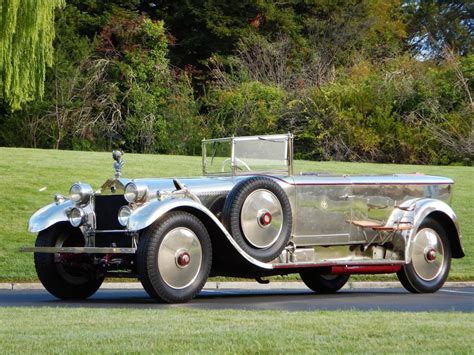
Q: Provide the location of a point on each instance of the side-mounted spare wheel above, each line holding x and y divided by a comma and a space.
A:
258, 215
430, 259
66, 276
174, 257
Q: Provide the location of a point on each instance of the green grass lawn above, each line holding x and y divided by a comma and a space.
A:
85, 330
30, 177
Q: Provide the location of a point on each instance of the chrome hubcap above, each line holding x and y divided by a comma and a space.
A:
428, 254
261, 218
179, 258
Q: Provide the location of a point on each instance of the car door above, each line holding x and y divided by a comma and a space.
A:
323, 209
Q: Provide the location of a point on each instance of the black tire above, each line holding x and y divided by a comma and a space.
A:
65, 281
153, 277
323, 283
232, 211
412, 280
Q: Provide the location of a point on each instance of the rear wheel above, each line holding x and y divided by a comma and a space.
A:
430, 259
174, 258
323, 283
66, 276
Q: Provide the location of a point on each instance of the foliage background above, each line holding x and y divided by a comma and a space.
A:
355, 80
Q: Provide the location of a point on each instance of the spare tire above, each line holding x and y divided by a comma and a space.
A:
258, 215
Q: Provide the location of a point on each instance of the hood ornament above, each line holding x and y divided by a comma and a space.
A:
117, 155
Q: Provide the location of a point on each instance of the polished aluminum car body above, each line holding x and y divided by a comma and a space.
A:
341, 224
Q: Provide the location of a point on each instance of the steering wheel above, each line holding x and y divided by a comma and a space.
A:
238, 167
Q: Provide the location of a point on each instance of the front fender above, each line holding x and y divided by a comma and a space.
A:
145, 215
49, 215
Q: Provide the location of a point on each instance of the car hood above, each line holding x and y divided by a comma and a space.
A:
197, 185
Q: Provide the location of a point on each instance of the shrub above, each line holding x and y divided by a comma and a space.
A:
248, 108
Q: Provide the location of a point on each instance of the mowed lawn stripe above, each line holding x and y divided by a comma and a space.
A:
181, 330
30, 177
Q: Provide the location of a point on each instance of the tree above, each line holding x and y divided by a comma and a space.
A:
327, 31
437, 24
26, 36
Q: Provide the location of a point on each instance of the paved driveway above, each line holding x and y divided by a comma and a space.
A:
391, 299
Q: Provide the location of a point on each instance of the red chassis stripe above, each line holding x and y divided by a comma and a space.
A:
348, 269
366, 269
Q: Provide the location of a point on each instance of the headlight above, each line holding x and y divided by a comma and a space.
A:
80, 193
135, 191
124, 215
77, 217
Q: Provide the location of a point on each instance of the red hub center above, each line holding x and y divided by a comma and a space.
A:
431, 255
266, 219
184, 259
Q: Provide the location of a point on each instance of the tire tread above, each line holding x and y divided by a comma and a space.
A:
49, 276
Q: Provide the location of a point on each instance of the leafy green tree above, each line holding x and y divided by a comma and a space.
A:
436, 24
156, 102
201, 29
26, 36
350, 30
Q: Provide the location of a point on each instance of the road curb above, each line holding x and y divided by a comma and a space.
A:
248, 285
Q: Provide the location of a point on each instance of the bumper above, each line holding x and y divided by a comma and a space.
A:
78, 250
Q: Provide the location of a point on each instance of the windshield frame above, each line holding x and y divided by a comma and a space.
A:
287, 168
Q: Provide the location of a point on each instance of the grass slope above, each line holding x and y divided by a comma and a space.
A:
30, 177
180, 330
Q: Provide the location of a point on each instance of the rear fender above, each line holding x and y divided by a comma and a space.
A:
444, 214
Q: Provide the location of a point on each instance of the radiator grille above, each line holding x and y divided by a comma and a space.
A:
106, 211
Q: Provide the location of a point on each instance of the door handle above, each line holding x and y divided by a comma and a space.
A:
346, 196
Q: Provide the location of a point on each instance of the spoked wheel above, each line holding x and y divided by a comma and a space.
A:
174, 258
257, 213
323, 283
430, 259
66, 276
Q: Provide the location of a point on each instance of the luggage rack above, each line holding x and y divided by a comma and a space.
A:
376, 226
384, 231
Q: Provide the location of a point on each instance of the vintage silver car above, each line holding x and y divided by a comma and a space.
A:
248, 216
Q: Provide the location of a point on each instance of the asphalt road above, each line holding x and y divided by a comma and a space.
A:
392, 299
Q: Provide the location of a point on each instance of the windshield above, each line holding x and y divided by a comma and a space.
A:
243, 155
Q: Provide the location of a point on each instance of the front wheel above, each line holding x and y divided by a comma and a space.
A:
323, 283
174, 258
66, 276
430, 259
